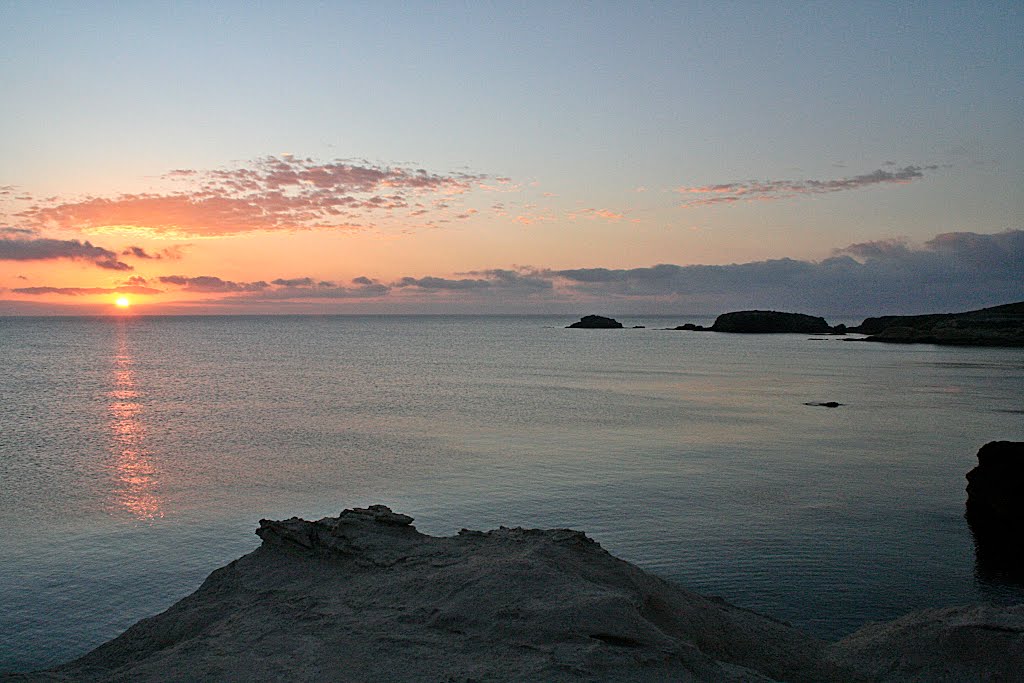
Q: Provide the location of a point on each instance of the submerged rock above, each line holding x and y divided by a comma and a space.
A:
595, 322
366, 597
760, 322
824, 404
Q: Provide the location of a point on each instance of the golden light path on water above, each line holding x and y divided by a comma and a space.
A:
136, 477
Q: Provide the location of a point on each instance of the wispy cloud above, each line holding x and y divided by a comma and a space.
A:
45, 249
773, 190
278, 289
594, 214
172, 253
525, 280
271, 193
212, 284
85, 291
305, 289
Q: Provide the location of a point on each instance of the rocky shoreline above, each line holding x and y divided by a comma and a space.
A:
365, 596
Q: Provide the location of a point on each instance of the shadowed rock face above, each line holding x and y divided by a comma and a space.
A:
761, 322
366, 597
596, 322
995, 510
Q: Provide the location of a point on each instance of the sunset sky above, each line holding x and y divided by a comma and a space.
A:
285, 157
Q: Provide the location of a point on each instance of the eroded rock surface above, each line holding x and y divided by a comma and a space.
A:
366, 597
974, 643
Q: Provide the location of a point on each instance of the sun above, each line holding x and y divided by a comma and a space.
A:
122, 302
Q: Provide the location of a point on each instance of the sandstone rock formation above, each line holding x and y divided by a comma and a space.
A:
974, 643
366, 597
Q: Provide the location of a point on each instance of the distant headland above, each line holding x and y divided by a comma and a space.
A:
993, 326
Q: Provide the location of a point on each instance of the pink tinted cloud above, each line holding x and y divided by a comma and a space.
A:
271, 193
83, 291
774, 190
594, 214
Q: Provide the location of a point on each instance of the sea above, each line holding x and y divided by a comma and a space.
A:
138, 454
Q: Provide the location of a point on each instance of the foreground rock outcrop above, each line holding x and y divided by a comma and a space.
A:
366, 597
995, 509
595, 322
995, 326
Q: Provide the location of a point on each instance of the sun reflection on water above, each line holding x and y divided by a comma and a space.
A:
136, 475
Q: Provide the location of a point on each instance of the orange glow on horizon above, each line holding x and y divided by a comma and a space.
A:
123, 302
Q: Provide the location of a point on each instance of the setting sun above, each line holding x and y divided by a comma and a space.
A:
122, 302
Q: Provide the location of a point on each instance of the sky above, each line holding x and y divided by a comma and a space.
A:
840, 159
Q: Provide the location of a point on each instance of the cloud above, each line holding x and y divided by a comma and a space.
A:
271, 193
279, 289
525, 280
306, 288
772, 190
83, 291
171, 253
593, 214
45, 249
296, 282
17, 232
952, 271
138, 252
211, 284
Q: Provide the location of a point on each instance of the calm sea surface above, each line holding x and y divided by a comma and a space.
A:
138, 454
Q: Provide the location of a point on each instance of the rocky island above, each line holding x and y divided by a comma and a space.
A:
595, 322
765, 322
366, 597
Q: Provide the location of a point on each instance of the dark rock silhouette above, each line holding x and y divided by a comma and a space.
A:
773, 322
691, 327
994, 326
596, 322
995, 510
824, 404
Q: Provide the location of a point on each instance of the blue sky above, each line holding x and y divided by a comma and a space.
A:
600, 119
